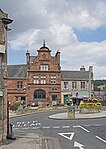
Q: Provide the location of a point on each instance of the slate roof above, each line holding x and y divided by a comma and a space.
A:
20, 72
74, 75
17, 71
32, 58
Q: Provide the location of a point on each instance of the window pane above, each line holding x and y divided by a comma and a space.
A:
74, 85
36, 81
19, 85
35, 77
44, 67
65, 85
53, 79
82, 85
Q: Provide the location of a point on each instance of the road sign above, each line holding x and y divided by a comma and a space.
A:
70, 109
1, 93
67, 135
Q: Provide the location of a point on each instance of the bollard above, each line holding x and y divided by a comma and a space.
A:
10, 135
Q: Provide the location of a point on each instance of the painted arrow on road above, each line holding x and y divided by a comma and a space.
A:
67, 135
76, 144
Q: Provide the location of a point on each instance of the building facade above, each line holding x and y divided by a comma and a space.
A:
4, 21
76, 85
42, 81
38, 81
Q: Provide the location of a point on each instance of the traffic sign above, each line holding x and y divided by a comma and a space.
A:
1, 93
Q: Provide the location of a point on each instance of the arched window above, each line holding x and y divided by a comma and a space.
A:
39, 94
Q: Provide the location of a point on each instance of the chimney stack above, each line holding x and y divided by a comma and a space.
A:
82, 68
58, 56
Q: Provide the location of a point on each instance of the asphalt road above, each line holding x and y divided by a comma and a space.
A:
68, 134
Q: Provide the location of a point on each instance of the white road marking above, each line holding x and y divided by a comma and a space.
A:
87, 125
32, 124
67, 133
78, 126
35, 127
77, 144
38, 124
84, 129
18, 122
101, 139
47, 127
56, 127
65, 126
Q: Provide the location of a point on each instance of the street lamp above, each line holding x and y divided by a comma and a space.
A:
26, 90
1, 113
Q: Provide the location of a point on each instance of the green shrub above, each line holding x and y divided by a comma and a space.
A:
90, 105
15, 106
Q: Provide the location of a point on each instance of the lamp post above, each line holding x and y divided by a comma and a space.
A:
1, 114
26, 90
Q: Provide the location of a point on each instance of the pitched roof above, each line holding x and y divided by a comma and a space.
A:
20, 71
32, 58
17, 71
74, 75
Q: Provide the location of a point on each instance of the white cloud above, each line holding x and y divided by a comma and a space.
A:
56, 21
62, 34
86, 53
24, 40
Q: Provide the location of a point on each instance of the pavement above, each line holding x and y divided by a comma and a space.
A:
65, 116
34, 141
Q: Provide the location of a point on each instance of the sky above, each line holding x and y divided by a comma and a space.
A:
75, 27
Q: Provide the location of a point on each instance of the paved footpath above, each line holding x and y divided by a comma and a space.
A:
78, 115
33, 141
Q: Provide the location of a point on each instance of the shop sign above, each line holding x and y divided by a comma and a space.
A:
2, 48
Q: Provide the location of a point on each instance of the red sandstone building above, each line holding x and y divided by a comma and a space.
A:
37, 81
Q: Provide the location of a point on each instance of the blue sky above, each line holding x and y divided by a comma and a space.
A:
76, 27
92, 35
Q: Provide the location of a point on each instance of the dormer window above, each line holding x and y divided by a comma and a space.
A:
44, 67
